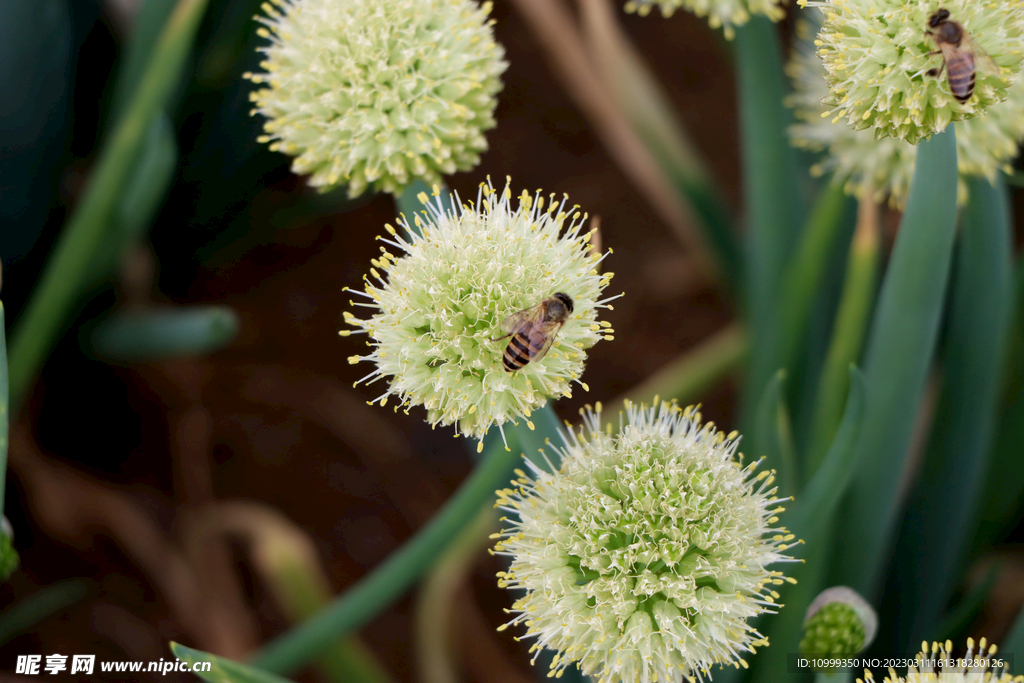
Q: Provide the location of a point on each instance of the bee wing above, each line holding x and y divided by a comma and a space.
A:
540, 337
981, 60
528, 316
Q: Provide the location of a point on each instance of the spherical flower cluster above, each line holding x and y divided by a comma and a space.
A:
438, 308
884, 167
878, 59
973, 667
725, 13
644, 556
365, 92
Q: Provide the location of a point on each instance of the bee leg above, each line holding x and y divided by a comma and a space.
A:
505, 336
936, 72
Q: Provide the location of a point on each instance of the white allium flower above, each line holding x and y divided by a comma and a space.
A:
437, 308
644, 556
366, 92
985, 145
877, 58
724, 13
973, 667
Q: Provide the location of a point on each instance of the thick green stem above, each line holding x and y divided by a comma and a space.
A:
899, 353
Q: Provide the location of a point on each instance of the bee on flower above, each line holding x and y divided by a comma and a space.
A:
443, 305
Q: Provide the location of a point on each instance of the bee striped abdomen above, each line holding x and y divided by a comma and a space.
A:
961, 77
517, 353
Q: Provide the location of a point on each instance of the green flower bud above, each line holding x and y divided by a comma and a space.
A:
838, 622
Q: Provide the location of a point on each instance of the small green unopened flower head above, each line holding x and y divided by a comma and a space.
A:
880, 168
644, 556
724, 13
976, 666
363, 92
838, 622
877, 60
436, 309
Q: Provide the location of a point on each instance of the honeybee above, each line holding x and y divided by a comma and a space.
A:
533, 330
958, 52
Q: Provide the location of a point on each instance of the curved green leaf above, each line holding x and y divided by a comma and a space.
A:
940, 522
149, 334
32, 609
69, 264
811, 519
899, 353
848, 333
1014, 641
773, 426
221, 669
770, 204
1005, 482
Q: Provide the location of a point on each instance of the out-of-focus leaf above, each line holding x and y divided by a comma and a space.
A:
149, 22
899, 353
1004, 488
148, 185
36, 42
696, 370
438, 609
220, 669
390, 579
811, 519
847, 334
772, 423
150, 334
802, 280
287, 564
1014, 642
819, 500
773, 217
142, 195
965, 613
648, 108
33, 608
69, 264
939, 523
